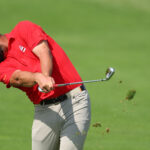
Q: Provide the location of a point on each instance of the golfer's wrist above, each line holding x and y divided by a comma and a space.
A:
36, 77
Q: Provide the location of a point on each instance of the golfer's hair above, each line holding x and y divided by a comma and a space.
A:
1, 55
1, 52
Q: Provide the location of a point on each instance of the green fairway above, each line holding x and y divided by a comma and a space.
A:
95, 34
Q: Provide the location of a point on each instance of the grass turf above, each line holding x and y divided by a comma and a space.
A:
95, 34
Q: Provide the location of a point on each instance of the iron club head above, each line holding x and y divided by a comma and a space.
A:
109, 73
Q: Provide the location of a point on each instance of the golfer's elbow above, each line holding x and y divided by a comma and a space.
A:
15, 79
23, 79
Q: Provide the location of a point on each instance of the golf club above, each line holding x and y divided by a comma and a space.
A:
109, 73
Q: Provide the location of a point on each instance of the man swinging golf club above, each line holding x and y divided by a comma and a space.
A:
33, 62
30, 59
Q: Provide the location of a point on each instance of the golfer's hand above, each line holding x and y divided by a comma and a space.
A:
46, 83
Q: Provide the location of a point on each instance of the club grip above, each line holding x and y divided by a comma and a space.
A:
40, 89
56, 85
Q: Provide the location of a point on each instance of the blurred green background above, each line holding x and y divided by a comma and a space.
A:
95, 34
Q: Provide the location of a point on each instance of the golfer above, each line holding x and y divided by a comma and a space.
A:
29, 58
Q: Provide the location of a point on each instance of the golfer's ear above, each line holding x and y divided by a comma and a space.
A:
14, 79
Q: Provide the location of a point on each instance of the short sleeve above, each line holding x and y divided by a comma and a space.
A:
6, 73
30, 33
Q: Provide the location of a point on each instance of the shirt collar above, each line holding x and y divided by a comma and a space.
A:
10, 38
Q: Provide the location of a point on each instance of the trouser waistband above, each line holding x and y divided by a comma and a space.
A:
62, 97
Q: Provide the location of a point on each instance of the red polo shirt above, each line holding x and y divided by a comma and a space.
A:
22, 39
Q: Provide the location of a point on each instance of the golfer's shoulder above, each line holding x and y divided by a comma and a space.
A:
23, 28
25, 24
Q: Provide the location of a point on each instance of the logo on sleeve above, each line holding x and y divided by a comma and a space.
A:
23, 49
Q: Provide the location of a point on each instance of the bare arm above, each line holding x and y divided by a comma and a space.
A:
42, 51
29, 79
23, 78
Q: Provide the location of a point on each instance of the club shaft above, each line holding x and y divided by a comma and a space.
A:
109, 73
90, 81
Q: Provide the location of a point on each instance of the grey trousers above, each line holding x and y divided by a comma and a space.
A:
62, 126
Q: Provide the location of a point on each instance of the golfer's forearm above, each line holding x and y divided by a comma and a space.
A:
46, 65
23, 78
